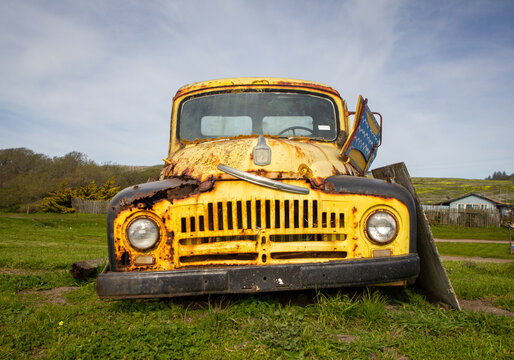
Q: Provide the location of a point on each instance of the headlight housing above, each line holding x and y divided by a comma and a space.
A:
381, 227
143, 233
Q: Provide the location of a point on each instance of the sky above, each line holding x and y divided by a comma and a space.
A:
98, 76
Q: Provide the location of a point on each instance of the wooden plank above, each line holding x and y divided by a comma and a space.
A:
432, 279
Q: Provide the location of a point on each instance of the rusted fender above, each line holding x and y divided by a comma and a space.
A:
145, 195
170, 189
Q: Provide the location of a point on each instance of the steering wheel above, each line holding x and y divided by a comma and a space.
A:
293, 128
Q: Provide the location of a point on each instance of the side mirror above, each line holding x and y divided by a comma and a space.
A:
360, 148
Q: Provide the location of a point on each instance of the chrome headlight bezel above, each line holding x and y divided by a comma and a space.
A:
376, 224
145, 224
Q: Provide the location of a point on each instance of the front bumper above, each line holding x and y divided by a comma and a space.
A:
252, 279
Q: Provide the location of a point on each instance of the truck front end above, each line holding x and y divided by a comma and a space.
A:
258, 194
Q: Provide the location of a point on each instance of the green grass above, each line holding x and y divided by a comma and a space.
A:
51, 241
336, 325
461, 232
38, 319
473, 280
498, 251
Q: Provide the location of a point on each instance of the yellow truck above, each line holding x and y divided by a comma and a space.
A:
264, 189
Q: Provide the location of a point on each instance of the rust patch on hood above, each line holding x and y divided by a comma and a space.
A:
290, 159
305, 171
317, 183
145, 195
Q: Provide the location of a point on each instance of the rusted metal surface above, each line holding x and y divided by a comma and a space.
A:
214, 85
170, 189
317, 160
210, 228
254, 279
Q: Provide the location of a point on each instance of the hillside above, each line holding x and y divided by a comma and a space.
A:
26, 177
434, 190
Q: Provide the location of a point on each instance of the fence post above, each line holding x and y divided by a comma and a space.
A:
510, 239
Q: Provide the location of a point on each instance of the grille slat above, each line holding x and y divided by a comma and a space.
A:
306, 213
268, 213
219, 218
230, 216
287, 212
248, 214
315, 213
258, 213
296, 214
239, 210
210, 216
277, 214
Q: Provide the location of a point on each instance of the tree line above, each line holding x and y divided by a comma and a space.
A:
27, 177
500, 175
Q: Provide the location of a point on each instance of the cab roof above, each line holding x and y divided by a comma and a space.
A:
254, 82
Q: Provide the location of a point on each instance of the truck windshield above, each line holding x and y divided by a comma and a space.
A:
256, 113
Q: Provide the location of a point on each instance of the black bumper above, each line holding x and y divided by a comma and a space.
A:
252, 279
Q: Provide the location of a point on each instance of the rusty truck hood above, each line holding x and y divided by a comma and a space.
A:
290, 159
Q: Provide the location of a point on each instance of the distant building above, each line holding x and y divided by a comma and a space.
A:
475, 202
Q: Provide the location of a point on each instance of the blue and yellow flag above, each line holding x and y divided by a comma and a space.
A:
361, 147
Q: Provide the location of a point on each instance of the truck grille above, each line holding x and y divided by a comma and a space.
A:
263, 214
259, 230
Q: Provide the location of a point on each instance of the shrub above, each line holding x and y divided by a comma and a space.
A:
59, 201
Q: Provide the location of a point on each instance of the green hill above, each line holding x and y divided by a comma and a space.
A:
26, 177
434, 190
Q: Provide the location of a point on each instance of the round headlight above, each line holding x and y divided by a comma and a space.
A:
381, 227
143, 233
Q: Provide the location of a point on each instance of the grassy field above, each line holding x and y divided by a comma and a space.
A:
498, 251
433, 190
50, 241
45, 313
461, 232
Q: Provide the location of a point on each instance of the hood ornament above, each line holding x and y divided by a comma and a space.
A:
262, 181
261, 152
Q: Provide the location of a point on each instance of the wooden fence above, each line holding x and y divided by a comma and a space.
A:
468, 217
90, 206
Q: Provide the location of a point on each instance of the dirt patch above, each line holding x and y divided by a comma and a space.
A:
476, 259
38, 353
473, 241
345, 338
53, 296
485, 306
12, 271
388, 353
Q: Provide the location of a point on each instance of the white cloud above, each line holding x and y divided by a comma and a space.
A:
98, 77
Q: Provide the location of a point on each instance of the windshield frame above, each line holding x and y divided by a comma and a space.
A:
260, 90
